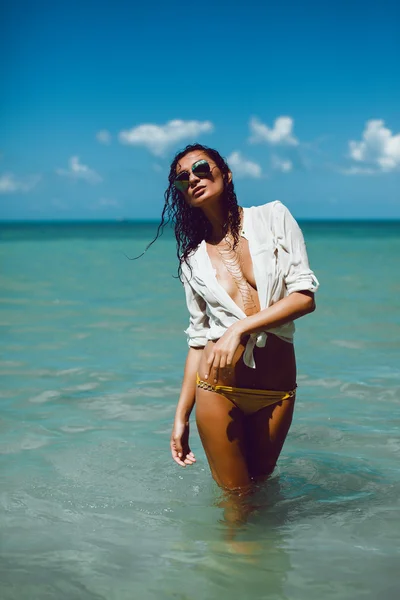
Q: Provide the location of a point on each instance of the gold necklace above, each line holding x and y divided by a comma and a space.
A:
232, 261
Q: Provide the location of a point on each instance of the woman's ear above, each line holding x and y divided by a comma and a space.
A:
229, 176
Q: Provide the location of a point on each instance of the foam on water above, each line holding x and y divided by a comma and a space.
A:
92, 506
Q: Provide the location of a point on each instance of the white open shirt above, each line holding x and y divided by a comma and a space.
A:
280, 263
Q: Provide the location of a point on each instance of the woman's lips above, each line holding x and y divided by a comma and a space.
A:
198, 191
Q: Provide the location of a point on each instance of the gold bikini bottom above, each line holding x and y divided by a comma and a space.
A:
249, 401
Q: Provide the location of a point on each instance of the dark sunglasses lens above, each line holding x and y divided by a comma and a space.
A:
182, 182
201, 169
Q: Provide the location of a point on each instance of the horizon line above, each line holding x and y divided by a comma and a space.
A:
127, 221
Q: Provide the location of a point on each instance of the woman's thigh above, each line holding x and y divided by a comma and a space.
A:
240, 447
221, 429
265, 433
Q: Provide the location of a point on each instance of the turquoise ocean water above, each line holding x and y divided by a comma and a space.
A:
92, 506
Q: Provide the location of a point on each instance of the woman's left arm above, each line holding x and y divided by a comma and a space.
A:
300, 283
290, 308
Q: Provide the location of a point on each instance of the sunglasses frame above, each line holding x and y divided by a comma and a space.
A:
182, 185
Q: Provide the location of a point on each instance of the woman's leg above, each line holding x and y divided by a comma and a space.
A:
220, 425
265, 433
240, 447
266, 430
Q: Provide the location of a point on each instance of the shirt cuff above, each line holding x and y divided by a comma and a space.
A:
306, 282
196, 339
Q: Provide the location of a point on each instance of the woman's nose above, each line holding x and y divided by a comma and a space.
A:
193, 178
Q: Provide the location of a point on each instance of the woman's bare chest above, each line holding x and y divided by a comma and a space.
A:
229, 261
235, 273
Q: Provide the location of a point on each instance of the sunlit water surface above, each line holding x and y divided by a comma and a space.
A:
91, 504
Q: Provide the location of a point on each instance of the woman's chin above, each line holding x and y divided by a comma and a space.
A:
205, 199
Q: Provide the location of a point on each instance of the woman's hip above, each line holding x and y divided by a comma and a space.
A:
275, 366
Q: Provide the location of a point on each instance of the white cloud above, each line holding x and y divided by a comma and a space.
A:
281, 164
79, 171
280, 133
103, 136
157, 138
10, 184
378, 146
359, 171
242, 167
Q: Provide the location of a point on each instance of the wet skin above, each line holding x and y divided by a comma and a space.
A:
275, 363
275, 367
240, 449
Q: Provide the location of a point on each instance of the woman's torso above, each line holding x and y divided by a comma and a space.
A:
275, 367
262, 267
275, 363
235, 273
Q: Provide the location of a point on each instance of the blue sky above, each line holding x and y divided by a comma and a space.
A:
302, 98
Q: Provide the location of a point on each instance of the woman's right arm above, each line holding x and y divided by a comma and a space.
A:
197, 339
188, 391
180, 448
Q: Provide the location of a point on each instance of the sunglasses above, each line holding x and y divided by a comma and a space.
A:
200, 169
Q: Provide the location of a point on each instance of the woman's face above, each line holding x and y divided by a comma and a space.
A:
201, 191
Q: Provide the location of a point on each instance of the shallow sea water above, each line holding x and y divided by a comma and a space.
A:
92, 506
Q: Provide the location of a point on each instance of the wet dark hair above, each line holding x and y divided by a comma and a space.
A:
190, 224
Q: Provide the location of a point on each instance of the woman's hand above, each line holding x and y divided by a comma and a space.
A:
223, 351
180, 450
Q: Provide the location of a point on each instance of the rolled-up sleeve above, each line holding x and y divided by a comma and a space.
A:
292, 253
198, 325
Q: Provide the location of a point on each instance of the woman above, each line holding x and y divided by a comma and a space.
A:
246, 277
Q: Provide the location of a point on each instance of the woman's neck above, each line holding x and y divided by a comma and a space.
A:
217, 219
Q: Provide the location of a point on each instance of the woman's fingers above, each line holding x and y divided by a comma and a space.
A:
179, 456
209, 363
216, 374
216, 361
230, 359
222, 354
176, 458
213, 364
178, 446
176, 451
214, 367
190, 458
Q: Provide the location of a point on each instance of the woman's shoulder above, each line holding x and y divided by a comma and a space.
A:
268, 206
266, 213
